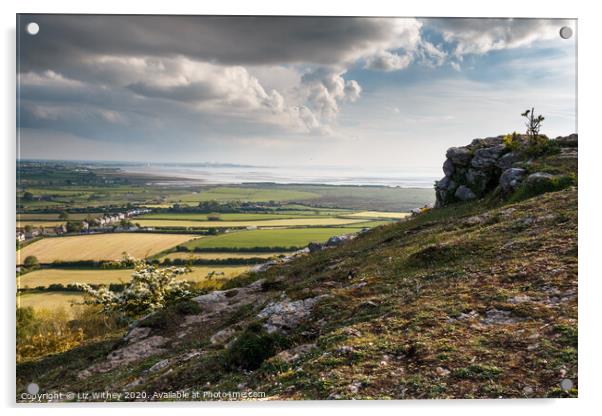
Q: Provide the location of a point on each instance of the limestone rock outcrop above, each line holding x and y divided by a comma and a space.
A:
486, 165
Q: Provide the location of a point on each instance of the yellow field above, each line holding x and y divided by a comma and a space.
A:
39, 224
219, 256
46, 277
100, 246
379, 214
291, 222
48, 300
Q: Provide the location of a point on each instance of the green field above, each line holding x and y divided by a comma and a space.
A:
220, 255
223, 217
269, 238
291, 222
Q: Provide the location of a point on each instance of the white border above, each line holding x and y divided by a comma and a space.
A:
590, 153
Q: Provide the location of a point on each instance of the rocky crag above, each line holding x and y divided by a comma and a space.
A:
495, 165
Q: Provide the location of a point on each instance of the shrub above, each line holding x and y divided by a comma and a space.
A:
188, 307
556, 183
44, 332
31, 261
151, 288
252, 348
512, 141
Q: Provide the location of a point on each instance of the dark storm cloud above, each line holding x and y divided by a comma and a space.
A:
227, 40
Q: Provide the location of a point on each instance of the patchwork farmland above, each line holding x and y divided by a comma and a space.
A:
219, 232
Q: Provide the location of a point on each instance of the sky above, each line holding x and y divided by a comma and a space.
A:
285, 91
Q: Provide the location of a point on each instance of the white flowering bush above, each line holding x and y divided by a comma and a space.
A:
151, 288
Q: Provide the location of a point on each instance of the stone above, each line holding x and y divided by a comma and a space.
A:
313, 247
338, 240
464, 193
507, 160
159, 366
499, 317
295, 353
511, 178
137, 333
445, 183
354, 387
487, 141
442, 372
486, 158
539, 178
222, 336
459, 155
287, 314
477, 179
130, 353
448, 167
568, 141
528, 390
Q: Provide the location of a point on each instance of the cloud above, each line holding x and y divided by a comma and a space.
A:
387, 61
479, 36
323, 90
203, 78
228, 40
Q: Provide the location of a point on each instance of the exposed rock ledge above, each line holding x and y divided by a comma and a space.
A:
485, 164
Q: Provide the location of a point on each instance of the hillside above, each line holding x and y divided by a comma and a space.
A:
474, 299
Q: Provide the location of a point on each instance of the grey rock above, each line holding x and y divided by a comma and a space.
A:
539, 178
568, 141
464, 193
499, 317
287, 314
448, 167
159, 366
487, 141
314, 247
459, 155
477, 179
222, 336
137, 333
295, 353
130, 353
486, 157
511, 178
338, 240
507, 160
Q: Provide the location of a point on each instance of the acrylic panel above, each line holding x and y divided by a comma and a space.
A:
295, 208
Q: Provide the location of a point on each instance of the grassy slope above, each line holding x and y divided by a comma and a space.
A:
404, 330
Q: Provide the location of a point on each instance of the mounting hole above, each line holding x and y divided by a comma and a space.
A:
33, 388
566, 384
566, 32
32, 28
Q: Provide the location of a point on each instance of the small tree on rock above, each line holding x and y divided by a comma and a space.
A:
533, 124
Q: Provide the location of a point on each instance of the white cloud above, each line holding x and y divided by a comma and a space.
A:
387, 61
479, 36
